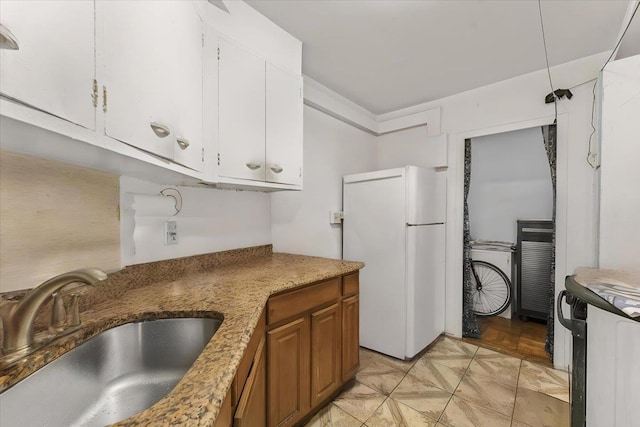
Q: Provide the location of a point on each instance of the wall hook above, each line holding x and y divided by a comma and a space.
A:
175, 194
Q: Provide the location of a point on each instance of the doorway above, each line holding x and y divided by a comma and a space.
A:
510, 225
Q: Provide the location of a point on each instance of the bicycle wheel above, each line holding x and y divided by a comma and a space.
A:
493, 295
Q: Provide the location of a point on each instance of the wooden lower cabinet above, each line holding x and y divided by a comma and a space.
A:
350, 337
252, 407
288, 372
311, 349
325, 353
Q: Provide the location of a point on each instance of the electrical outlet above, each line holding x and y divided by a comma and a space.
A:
335, 217
171, 233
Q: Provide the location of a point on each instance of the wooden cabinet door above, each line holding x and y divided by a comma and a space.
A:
149, 62
241, 91
283, 127
252, 407
350, 337
288, 373
54, 66
325, 353
225, 416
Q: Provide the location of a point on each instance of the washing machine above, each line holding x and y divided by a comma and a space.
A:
500, 254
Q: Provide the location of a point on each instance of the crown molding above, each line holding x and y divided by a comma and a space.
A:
320, 97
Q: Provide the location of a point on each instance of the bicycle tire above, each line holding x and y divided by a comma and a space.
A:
495, 295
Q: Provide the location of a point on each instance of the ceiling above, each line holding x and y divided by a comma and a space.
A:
387, 55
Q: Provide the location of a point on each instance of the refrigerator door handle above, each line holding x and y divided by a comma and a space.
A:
563, 321
578, 327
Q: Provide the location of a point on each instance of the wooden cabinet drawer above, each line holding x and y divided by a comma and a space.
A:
247, 360
350, 284
296, 302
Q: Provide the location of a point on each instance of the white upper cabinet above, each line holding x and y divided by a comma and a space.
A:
283, 126
139, 82
152, 56
241, 113
260, 119
47, 57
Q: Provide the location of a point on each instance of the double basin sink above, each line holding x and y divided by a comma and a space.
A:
111, 377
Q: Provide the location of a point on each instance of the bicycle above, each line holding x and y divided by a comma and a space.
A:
491, 293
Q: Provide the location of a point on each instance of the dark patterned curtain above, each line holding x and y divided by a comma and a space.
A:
469, 322
550, 140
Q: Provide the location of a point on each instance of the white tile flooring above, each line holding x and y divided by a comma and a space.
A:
454, 384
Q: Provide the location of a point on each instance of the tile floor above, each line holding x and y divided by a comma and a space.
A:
454, 384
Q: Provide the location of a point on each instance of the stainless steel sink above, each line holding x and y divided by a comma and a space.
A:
109, 378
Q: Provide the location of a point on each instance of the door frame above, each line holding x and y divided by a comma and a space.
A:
455, 211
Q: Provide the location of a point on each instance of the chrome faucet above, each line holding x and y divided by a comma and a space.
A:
18, 316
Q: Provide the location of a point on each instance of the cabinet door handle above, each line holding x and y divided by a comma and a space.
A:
7, 39
253, 166
276, 169
183, 143
160, 130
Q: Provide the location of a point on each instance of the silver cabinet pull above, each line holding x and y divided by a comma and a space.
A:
7, 39
276, 169
183, 143
253, 166
160, 130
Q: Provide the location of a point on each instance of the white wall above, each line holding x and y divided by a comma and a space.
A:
510, 180
300, 220
620, 173
211, 220
425, 151
509, 105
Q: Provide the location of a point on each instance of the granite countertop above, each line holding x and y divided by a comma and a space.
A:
237, 291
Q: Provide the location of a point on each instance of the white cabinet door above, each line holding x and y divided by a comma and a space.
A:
241, 113
189, 94
54, 66
148, 55
283, 126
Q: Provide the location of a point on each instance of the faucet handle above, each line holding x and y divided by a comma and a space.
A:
58, 313
74, 319
7, 303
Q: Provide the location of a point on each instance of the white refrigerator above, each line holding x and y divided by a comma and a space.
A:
394, 221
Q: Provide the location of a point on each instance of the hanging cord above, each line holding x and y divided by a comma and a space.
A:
592, 158
546, 57
621, 37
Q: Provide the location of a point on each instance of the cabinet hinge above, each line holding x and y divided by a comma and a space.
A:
218, 159
300, 173
218, 54
94, 94
203, 154
202, 40
104, 99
